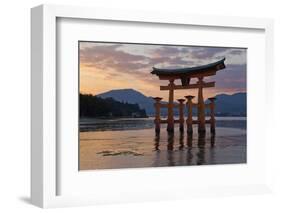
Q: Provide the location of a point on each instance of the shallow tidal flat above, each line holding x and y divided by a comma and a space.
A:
142, 148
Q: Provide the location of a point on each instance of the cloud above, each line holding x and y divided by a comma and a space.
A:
237, 51
233, 76
206, 53
169, 51
117, 60
108, 56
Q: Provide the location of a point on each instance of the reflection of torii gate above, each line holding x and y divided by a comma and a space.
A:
185, 74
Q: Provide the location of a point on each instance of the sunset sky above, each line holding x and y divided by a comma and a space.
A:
108, 66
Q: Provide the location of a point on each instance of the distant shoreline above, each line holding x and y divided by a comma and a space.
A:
95, 124
152, 117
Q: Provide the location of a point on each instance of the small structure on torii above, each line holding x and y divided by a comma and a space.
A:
185, 75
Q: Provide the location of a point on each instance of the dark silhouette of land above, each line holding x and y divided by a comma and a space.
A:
96, 107
226, 105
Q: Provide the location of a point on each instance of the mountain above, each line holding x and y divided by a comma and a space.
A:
233, 105
226, 105
131, 96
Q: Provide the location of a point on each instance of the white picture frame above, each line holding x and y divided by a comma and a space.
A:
44, 153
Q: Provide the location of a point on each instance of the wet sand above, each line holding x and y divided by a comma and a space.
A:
142, 148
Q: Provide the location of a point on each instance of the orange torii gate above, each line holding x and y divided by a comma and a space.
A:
185, 75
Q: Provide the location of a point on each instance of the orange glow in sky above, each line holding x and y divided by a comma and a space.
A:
110, 66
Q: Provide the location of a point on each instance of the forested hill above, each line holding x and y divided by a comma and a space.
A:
93, 106
226, 105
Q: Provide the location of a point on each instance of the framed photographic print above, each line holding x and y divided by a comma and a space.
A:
119, 121
149, 106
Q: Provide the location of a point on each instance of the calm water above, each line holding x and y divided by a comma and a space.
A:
147, 123
132, 143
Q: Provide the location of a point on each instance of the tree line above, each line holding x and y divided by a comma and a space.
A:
93, 106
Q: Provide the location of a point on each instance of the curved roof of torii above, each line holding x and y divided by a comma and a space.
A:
215, 66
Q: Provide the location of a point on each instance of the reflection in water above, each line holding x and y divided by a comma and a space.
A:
157, 140
189, 155
156, 146
181, 141
212, 149
212, 140
142, 148
171, 140
189, 140
170, 148
181, 149
194, 155
201, 149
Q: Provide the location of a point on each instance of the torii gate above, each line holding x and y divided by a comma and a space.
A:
185, 75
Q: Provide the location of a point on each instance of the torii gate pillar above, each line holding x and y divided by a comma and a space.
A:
170, 126
201, 108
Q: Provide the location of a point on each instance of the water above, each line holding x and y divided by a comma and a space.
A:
132, 143
147, 123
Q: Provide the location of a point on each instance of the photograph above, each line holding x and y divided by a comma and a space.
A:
147, 107
161, 105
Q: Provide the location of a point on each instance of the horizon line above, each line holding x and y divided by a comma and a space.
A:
223, 93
